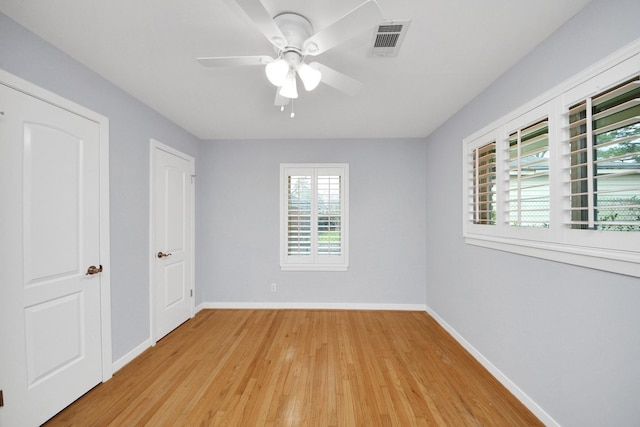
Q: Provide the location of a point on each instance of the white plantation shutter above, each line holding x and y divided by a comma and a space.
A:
483, 184
299, 215
314, 220
529, 176
329, 219
604, 147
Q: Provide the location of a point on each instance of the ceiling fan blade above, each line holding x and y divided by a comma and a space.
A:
360, 19
280, 100
232, 61
337, 80
261, 17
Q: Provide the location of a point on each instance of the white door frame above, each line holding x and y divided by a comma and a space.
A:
31, 89
157, 145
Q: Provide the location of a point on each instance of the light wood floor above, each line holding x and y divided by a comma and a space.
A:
301, 368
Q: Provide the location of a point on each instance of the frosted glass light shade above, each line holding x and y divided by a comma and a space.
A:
277, 72
288, 89
310, 76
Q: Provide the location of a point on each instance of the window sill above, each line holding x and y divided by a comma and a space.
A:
621, 262
314, 268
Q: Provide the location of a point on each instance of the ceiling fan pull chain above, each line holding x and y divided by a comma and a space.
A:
292, 113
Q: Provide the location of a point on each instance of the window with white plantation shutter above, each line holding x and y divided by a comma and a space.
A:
559, 178
314, 216
605, 160
529, 176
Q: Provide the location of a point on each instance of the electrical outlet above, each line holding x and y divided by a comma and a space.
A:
273, 287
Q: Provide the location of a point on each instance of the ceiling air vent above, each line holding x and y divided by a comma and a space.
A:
387, 38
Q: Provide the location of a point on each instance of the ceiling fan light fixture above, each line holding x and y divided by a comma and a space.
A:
288, 89
310, 76
277, 72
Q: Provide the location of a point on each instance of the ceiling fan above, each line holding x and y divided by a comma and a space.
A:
293, 38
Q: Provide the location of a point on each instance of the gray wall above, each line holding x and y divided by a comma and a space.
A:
569, 337
240, 230
131, 125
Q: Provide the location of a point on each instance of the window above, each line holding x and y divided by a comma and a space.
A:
314, 217
560, 177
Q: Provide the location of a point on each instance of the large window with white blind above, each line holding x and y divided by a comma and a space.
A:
560, 177
314, 217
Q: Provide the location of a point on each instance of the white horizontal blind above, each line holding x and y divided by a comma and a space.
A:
483, 184
528, 198
605, 160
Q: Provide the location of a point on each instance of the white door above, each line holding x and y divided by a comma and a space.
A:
172, 189
50, 330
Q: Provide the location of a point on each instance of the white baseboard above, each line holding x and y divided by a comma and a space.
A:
504, 380
119, 364
309, 306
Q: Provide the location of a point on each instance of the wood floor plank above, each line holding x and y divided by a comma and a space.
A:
301, 368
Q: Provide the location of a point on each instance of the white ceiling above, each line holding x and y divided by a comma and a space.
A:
452, 51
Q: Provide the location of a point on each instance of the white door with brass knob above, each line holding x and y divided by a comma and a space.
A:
172, 221
51, 349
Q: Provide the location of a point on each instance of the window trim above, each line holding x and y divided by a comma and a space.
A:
291, 264
587, 248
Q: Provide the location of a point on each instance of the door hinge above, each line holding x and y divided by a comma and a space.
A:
191, 293
1, 399
193, 178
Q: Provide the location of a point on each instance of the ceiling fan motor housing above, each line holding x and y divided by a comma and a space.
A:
296, 28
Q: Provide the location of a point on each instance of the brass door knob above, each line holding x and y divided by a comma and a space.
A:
162, 255
94, 270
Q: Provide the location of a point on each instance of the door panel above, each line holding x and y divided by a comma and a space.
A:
174, 284
175, 195
50, 218
172, 217
53, 336
52, 195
